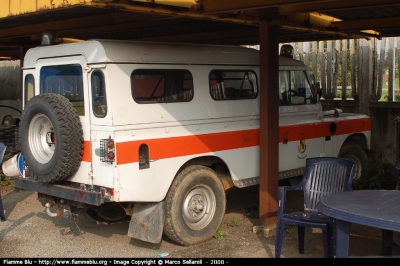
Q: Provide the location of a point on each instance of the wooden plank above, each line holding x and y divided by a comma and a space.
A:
353, 74
398, 58
344, 69
321, 57
390, 65
372, 68
380, 70
307, 54
329, 72
364, 79
314, 60
335, 70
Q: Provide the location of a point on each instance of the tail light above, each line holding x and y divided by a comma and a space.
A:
107, 150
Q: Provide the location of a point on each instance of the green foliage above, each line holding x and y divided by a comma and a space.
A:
6, 181
253, 213
348, 94
233, 223
220, 235
396, 97
382, 179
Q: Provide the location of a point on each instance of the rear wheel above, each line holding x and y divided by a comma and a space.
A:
355, 153
195, 206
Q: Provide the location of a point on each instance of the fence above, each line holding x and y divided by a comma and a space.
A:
346, 66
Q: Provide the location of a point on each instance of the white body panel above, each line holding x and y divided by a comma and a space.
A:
130, 123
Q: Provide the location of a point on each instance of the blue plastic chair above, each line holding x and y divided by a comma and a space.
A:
3, 148
322, 176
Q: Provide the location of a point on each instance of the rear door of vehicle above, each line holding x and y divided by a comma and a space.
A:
68, 76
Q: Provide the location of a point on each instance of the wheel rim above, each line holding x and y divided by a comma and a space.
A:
199, 207
41, 138
357, 166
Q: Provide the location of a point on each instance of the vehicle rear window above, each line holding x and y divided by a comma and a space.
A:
65, 80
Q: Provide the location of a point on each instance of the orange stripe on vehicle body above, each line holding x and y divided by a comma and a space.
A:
321, 129
86, 156
128, 152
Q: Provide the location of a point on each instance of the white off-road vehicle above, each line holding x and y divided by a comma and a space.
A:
159, 131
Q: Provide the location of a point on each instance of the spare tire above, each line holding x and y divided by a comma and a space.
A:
51, 138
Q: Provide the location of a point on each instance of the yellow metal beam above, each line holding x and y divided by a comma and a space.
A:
204, 36
178, 3
337, 5
14, 8
213, 6
367, 24
170, 12
79, 26
321, 22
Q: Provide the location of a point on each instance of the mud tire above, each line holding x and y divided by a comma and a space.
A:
195, 206
355, 153
55, 162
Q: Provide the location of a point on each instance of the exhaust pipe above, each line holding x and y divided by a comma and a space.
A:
60, 212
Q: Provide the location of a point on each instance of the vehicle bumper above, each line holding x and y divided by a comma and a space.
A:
60, 191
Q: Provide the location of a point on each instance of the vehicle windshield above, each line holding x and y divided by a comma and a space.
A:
294, 88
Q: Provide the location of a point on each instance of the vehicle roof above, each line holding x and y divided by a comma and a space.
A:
117, 51
107, 51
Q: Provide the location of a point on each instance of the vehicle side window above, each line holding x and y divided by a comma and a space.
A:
294, 88
161, 85
233, 84
65, 80
99, 100
29, 90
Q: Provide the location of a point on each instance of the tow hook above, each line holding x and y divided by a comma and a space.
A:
60, 212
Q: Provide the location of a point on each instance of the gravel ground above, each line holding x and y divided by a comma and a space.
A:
30, 232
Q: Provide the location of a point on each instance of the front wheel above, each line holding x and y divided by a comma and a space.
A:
355, 153
195, 206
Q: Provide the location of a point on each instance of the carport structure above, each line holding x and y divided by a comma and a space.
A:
263, 22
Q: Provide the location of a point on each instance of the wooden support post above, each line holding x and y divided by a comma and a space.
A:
269, 125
